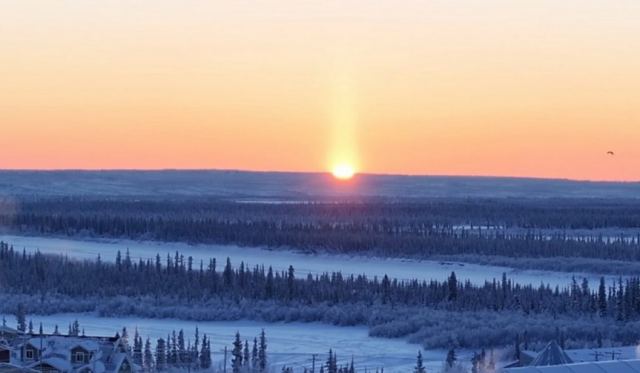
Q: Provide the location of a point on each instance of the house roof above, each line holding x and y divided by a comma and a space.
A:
8, 330
56, 362
12, 368
551, 355
66, 343
618, 366
95, 367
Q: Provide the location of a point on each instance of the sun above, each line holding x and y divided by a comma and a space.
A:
343, 171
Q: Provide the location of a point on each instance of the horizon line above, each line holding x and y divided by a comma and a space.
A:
378, 174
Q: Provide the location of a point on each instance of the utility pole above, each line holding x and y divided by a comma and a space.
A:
313, 363
225, 359
614, 353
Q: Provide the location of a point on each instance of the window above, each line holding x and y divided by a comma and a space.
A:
78, 357
125, 367
29, 354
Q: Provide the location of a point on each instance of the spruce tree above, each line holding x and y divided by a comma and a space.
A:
168, 350
147, 362
602, 298
137, 348
419, 364
161, 355
246, 356
453, 287
262, 353
332, 362
21, 318
196, 345
181, 349
254, 356
269, 284
236, 353
174, 349
291, 282
227, 275
205, 353
451, 357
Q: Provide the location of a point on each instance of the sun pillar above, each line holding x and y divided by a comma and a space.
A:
343, 155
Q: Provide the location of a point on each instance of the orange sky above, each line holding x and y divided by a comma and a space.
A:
476, 87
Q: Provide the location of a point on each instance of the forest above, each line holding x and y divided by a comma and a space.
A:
601, 236
580, 314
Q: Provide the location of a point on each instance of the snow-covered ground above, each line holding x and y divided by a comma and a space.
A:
303, 263
604, 354
292, 344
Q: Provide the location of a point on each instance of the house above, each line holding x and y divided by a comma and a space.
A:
5, 351
552, 354
526, 357
69, 354
7, 333
614, 366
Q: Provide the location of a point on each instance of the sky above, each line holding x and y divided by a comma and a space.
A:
536, 88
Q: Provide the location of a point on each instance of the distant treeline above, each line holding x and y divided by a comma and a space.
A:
501, 228
569, 213
164, 285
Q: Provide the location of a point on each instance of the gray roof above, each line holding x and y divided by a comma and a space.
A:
618, 366
12, 368
8, 330
551, 355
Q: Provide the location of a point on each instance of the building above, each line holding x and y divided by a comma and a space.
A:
7, 333
552, 354
5, 351
65, 354
616, 366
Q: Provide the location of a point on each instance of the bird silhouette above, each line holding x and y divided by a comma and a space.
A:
610, 153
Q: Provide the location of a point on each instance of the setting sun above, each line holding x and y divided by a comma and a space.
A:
343, 172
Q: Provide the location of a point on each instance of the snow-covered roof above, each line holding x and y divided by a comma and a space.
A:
95, 367
60, 364
618, 366
11, 368
64, 343
116, 360
8, 330
551, 355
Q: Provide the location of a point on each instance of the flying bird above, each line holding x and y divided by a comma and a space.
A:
610, 153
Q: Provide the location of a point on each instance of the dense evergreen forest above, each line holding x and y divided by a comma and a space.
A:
175, 286
599, 235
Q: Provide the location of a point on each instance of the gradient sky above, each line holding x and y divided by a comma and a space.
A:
538, 88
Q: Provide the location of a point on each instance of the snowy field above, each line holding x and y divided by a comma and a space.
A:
292, 344
303, 263
604, 354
